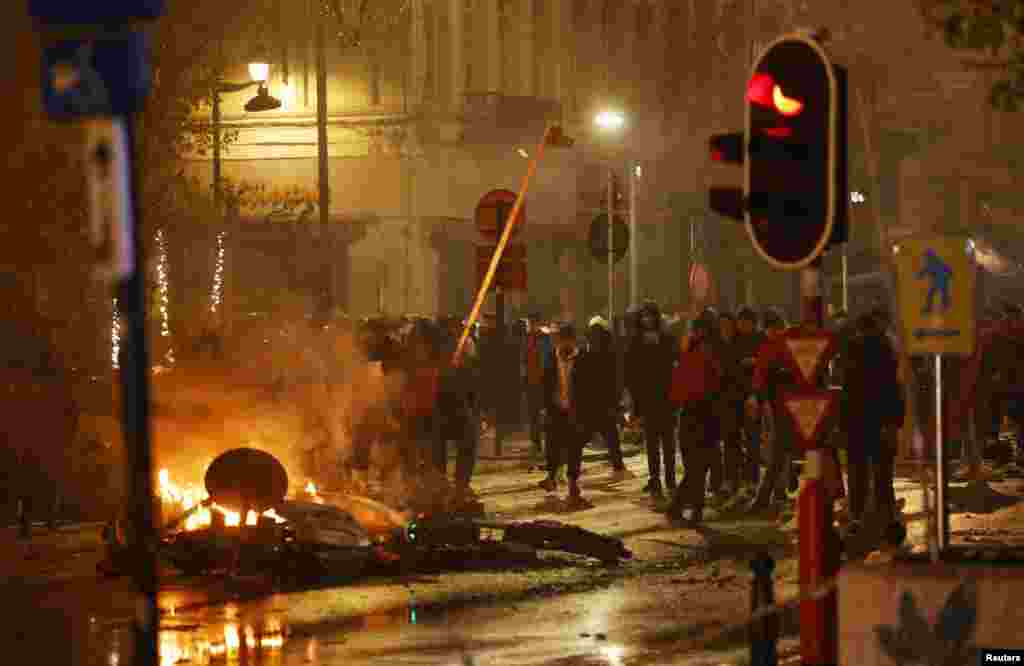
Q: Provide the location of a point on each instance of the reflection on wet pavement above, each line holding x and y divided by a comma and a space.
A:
230, 642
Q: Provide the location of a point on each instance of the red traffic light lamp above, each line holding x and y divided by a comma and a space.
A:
794, 173
764, 91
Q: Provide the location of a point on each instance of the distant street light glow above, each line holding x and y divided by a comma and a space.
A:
115, 337
164, 293
610, 120
638, 171
857, 197
217, 291
522, 153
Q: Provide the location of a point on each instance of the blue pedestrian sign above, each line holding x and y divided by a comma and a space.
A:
936, 278
938, 273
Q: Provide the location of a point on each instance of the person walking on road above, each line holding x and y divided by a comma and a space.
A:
748, 340
538, 350
599, 398
650, 355
456, 412
695, 388
873, 402
564, 436
771, 376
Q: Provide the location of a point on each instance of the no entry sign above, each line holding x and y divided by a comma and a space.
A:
493, 210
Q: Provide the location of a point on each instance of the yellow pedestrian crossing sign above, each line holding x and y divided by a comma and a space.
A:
936, 294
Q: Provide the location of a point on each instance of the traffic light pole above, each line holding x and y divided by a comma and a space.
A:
819, 554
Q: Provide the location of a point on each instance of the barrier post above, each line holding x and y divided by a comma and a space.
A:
764, 631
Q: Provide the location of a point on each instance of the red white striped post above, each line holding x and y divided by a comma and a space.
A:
819, 553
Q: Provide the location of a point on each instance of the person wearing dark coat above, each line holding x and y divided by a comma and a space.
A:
456, 415
650, 356
564, 440
872, 403
598, 400
745, 346
730, 408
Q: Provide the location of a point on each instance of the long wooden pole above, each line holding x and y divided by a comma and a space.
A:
502, 242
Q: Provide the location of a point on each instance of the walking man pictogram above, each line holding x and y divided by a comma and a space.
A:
939, 275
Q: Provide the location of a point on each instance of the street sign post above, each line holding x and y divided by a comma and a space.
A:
598, 238
935, 284
935, 278
95, 67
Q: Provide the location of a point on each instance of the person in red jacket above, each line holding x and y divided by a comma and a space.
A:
695, 385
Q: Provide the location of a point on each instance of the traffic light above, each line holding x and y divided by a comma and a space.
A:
795, 192
728, 149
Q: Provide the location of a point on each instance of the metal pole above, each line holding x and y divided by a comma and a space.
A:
322, 173
135, 394
634, 249
611, 246
941, 516
498, 362
845, 280
217, 192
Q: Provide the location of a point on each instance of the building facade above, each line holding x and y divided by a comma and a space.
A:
425, 119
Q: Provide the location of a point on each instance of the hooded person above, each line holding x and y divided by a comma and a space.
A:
599, 397
650, 356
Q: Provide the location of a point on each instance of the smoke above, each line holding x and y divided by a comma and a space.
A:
292, 391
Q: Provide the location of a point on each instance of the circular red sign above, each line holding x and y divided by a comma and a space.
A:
494, 207
700, 281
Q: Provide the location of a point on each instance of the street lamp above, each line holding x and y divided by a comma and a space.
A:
259, 71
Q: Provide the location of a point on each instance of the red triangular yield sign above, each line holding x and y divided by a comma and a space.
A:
808, 412
807, 354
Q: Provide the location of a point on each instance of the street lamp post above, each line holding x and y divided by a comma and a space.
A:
611, 121
259, 72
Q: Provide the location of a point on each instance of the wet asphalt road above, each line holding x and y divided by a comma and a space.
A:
568, 611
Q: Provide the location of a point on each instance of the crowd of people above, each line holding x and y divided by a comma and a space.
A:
705, 398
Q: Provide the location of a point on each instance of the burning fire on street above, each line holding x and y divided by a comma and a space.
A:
181, 498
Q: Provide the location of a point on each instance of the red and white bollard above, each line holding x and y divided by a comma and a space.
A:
819, 547
819, 564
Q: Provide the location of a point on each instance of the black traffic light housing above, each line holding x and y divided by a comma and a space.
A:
795, 191
728, 149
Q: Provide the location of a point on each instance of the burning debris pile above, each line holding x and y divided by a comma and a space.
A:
307, 537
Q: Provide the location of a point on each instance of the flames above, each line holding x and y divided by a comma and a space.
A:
185, 497
311, 491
